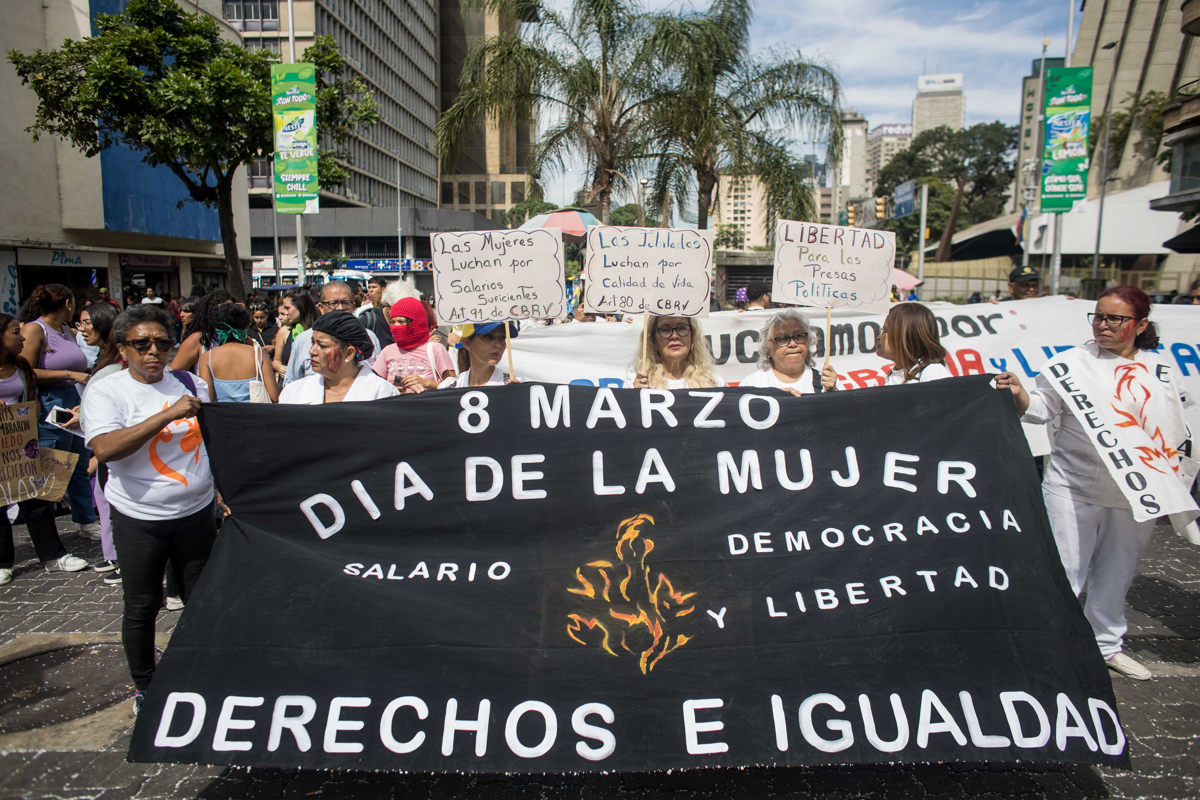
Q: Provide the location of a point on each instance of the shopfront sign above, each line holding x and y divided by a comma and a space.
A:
37, 257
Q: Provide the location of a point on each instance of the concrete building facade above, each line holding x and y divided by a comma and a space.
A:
743, 205
852, 179
108, 221
489, 177
392, 45
1027, 183
883, 143
939, 101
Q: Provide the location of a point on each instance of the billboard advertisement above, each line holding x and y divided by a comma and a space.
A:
1068, 109
294, 108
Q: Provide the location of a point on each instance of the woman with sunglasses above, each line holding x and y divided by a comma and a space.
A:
141, 423
785, 360
677, 357
480, 352
1099, 541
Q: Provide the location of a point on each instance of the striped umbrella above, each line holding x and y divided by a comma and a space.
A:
573, 222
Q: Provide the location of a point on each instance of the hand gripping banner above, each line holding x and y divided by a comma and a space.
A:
538, 578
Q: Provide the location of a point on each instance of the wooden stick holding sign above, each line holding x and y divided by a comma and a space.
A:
499, 276
833, 266
642, 365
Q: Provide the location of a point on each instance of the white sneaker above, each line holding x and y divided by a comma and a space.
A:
90, 530
5, 576
1127, 666
174, 604
67, 563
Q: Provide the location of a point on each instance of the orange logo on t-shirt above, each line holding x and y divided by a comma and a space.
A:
189, 442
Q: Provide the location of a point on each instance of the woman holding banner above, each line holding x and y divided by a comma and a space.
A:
1123, 390
340, 348
670, 357
784, 359
17, 386
480, 350
141, 423
909, 338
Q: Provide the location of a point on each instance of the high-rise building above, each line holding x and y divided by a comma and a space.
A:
939, 102
489, 177
852, 183
742, 204
1027, 183
392, 46
883, 143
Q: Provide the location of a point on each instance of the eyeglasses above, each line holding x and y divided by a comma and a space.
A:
783, 341
344, 305
1111, 321
143, 345
682, 331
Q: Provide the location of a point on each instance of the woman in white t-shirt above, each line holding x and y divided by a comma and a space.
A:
338, 355
909, 337
480, 351
785, 360
677, 357
141, 422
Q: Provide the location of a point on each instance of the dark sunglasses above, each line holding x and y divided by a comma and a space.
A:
143, 345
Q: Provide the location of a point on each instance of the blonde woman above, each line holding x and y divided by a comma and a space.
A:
677, 357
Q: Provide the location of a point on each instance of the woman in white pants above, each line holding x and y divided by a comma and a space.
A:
1099, 541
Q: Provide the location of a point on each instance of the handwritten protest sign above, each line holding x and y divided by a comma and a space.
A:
832, 266
27, 471
664, 271
490, 276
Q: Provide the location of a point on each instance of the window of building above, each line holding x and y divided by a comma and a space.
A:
233, 10
498, 215
1185, 166
464, 193
448, 193
518, 191
497, 193
481, 193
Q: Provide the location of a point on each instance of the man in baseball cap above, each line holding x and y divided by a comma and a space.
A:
1023, 283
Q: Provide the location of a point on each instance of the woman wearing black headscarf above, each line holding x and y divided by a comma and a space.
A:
340, 347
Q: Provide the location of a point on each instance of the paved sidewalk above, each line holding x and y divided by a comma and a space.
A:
85, 758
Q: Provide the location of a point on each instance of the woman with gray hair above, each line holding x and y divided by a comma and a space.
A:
784, 359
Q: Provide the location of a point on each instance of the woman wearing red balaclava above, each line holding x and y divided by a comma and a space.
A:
414, 363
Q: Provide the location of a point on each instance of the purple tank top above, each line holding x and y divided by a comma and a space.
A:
11, 388
62, 351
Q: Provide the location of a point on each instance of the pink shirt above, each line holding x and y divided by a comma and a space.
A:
394, 363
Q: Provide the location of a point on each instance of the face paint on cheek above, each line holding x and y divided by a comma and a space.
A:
332, 362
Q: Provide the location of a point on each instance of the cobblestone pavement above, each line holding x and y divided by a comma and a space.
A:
73, 760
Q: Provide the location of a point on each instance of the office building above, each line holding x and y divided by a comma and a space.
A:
939, 102
392, 46
489, 177
109, 221
883, 143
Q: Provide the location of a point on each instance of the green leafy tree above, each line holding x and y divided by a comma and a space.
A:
729, 237
627, 215
977, 162
589, 71
166, 84
726, 117
908, 229
517, 215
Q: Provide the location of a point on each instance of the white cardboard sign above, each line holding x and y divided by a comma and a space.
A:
832, 266
663, 271
490, 276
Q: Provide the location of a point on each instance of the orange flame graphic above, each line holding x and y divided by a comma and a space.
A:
1129, 387
190, 441
636, 625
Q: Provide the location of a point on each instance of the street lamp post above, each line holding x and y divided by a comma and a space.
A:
1104, 162
641, 203
1038, 146
399, 237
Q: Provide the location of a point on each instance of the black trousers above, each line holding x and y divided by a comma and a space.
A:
143, 549
39, 519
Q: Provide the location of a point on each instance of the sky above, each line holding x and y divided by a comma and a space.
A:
880, 47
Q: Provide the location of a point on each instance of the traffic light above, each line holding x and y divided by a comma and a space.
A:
850, 215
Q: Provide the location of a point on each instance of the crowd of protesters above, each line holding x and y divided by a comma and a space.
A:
133, 382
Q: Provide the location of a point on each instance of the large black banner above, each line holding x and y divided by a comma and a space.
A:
546, 578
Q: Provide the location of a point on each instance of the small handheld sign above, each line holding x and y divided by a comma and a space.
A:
491, 276
833, 266
661, 271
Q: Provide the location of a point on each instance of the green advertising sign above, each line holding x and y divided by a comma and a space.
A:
294, 106
1065, 152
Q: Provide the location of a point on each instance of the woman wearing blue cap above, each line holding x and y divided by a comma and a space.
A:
479, 353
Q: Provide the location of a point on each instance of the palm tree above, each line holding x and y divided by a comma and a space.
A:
729, 117
592, 73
